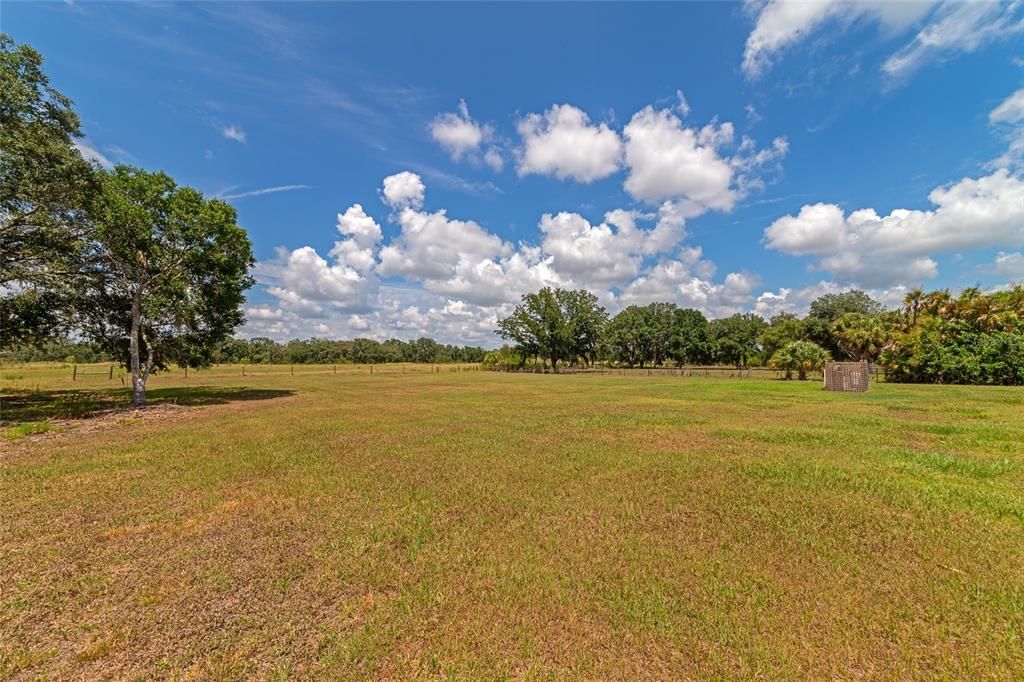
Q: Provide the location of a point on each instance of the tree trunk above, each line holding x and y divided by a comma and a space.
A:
139, 373
802, 374
554, 364
138, 382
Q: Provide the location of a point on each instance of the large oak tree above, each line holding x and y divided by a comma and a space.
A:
557, 324
168, 272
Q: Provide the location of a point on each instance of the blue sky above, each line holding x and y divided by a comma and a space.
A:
729, 157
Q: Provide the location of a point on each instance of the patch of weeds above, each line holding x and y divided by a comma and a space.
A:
787, 436
967, 412
938, 429
362, 646
965, 466
22, 658
281, 672
26, 429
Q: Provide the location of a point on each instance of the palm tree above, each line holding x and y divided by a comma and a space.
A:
862, 337
912, 304
937, 302
801, 356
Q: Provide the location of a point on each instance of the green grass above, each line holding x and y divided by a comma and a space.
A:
26, 429
477, 525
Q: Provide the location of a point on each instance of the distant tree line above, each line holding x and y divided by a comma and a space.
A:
357, 351
934, 337
261, 350
58, 349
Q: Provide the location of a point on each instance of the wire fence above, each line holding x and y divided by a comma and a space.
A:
111, 373
877, 374
78, 373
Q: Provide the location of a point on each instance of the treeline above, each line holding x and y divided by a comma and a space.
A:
262, 350
357, 351
934, 337
973, 338
56, 350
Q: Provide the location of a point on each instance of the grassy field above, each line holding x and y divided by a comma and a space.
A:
478, 525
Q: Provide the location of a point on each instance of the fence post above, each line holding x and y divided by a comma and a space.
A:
371, 369
243, 370
186, 371
335, 369
74, 372
293, 370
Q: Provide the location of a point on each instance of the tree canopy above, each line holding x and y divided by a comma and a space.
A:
737, 337
800, 357
692, 342
782, 329
860, 336
168, 273
629, 336
556, 324
826, 309
45, 190
975, 338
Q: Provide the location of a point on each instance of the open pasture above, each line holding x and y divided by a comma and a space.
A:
480, 525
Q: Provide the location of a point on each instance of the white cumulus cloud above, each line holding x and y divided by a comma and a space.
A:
363, 229
464, 277
431, 245
403, 190
612, 252
667, 160
686, 281
306, 284
457, 132
564, 143
864, 247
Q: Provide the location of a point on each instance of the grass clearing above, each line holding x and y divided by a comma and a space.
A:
479, 525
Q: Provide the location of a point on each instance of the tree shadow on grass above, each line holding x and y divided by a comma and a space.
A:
17, 407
